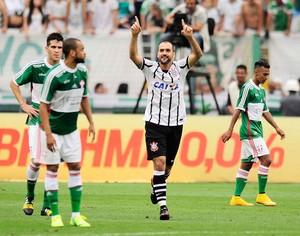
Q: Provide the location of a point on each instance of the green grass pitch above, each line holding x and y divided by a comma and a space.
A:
121, 209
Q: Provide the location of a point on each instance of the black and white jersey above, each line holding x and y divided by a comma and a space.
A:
165, 104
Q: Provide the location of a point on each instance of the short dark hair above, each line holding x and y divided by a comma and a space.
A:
98, 85
54, 36
69, 44
242, 66
262, 63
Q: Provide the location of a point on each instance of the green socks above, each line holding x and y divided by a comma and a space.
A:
262, 182
76, 194
30, 188
45, 202
239, 186
53, 201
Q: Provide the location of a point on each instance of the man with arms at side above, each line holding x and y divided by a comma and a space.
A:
34, 73
235, 86
64, 92
252, 105
165, 113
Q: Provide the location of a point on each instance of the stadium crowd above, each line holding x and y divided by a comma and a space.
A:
235, 18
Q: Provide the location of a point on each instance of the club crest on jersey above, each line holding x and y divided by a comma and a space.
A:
173, 72
154, 146
165, 86
82, 83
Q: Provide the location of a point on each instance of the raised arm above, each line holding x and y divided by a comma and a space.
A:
133, 50
187, 32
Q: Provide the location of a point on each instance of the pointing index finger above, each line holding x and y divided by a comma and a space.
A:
137, 20
182, 22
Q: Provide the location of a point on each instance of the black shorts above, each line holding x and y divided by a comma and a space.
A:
162, 141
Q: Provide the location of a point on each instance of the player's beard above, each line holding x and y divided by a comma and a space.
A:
79, 60
164, 62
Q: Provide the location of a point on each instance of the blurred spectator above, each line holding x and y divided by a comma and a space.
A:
145, 15
76, 16
279, 16
196, 18
137, 8
290, 104
15, 10
126, 11
156, 23
212, 12
34, 19
275, 88
104, 16
235, 86
56, 11
295, 25
230, 12
3, 17
100, 88
123, 88
252, 16
201, 82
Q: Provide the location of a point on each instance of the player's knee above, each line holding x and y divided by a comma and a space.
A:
53, 168
266, 160
36, 164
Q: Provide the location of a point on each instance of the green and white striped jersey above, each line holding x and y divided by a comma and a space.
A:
34, 73
63, 89
252, 103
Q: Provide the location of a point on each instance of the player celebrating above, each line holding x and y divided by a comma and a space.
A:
64, 92
252, 105
34, 73
165, 112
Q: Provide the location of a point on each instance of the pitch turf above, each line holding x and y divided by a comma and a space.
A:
117, 209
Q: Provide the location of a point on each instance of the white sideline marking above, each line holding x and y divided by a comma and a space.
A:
198, 233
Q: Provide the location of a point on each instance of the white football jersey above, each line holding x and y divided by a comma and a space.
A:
165, 104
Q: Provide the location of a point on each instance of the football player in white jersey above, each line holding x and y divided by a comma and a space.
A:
252, 106
165, 113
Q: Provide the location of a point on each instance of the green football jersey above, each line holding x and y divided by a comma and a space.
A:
252, 103
280, 14
63, 89
33, 73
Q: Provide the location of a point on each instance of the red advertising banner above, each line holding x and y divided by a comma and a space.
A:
119, 153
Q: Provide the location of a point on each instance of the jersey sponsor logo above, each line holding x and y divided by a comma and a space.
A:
166, 87
66, 81
154, 146
42, 74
